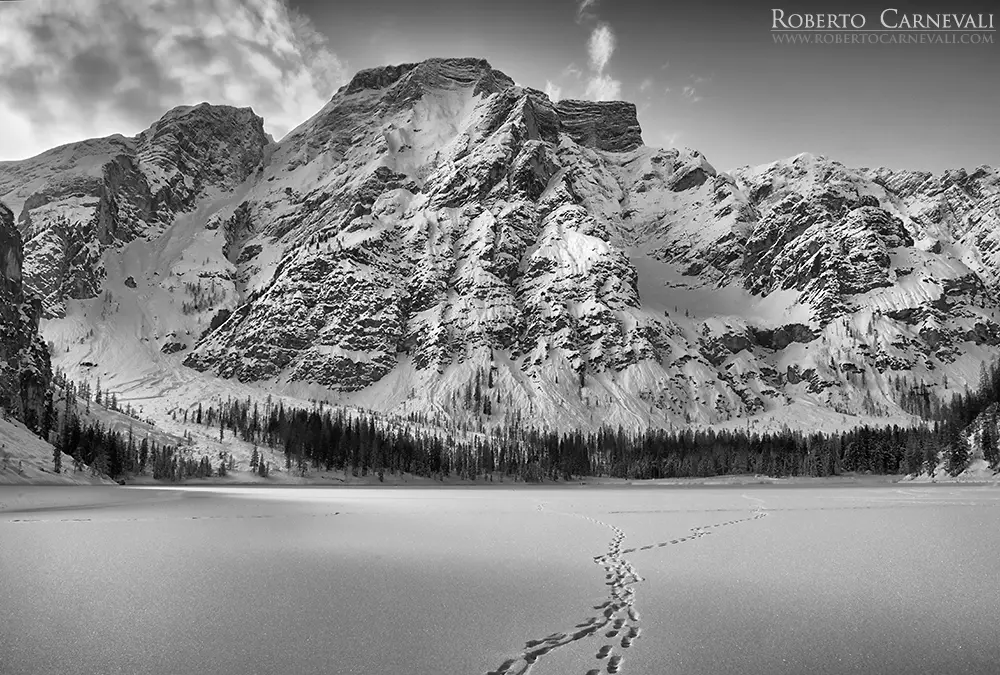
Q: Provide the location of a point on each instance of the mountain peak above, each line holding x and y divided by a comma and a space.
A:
807, 158
432, 72
208, 112
224, 141
604, 125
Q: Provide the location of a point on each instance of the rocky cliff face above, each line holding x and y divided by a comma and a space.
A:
25, 369
436, 238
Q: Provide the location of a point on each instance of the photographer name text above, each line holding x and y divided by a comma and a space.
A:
889, 19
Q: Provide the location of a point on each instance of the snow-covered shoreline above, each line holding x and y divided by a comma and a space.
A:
29, 496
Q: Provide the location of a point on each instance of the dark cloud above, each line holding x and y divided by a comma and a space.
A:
95, 67
92, 75
197, 47
42, 34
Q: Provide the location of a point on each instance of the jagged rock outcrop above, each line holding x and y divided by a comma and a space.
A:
781, 337
194, 149
25, 368
610, 126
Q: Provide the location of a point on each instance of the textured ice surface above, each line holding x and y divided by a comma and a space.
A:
745, 579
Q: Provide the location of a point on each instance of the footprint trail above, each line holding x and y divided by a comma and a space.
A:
618, 619
699, 531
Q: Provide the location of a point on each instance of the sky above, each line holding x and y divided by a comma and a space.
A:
709, 76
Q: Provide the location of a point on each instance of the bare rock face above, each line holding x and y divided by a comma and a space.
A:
11, 256
25, 369
192, 150
611, 126
781, 337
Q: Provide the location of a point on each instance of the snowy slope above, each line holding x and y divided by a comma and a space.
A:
27, 459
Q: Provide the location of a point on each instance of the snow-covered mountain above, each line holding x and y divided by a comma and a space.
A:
439, 239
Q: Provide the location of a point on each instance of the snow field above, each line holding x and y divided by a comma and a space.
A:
755, 579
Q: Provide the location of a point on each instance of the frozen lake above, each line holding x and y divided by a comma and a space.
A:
567, 580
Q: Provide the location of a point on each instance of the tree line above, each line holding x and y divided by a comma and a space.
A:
365, 444
103, 450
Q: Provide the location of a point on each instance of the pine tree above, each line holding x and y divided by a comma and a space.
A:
988, 441
48, 417
913, 459
958, 454
930, 459
143, 454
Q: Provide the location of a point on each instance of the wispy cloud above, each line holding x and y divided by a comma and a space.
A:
693, 92
95, 67
600, 47
553, 91
603, 88
690, 93
670, 138
572, 71
645, 85
583, 10
597, 82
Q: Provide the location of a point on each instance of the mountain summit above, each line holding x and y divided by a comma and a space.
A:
438, 239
